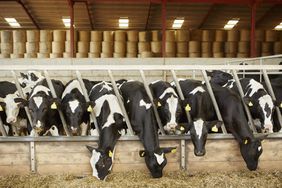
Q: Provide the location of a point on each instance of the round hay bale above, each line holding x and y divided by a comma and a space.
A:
120, 36
206, 47
206, 54
30, 55
145, 54
156, 36
156, 46
182, 54
19, 48
245, 35
66, 55
106, 55
144, 36
258, 48
46, 36
218, 54
84, 36
266, 54
194, 47
182, 35
83, 47
43, 55
277, 49
232, 36
170, 36
68, 37
6, 36
14, 56
196, 35
194, 54
45, 47
68, 46
119, 55
57, 48
230, 55
267, 47
32, 35
96, 36
271, 36
132, 36
120, 47
170, 54
107, 48
58, 36
131, 47
220, 36
260, 35
242, 55
108, 36
56, 55
131, 55
170, 47
4, 56
32, 47
95, 47
144, 47
217, 47
6, 48
182, 47
243, 47
19, 36
207, 35
94, 55
81, 55
231, 47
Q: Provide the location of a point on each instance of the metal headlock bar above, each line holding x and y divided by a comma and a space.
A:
2, 129
149, 93
241, 92
86, 97
121, 104
54, 95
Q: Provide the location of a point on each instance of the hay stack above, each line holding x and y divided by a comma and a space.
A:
243, 49
196, 35
271, 36
208, 35
32, 44
231, 49
131, 45
182, 38
107, 44
266, 48
194, 48
19, 40
96, 36
45, 43
132, 36
6, 44
182, 35
120, 44
58, 44
68, 37
245, 35
206, 49
277, 49
232, 36
95, 47
218, 49
144, 36
156, 36
146, 54
220, 35
260, 35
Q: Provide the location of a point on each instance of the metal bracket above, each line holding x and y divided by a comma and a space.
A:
32, 157
183, 155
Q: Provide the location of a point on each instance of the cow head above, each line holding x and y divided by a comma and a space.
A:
29, 80
219, 77
251, 150
156, 160
101, 162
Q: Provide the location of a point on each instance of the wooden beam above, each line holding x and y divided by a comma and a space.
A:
28, 13
207, 16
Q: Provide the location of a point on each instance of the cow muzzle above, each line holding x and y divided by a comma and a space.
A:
75, 131
267, 129
11, 119
170, 128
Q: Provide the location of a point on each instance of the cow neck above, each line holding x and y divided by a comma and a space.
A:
108, 138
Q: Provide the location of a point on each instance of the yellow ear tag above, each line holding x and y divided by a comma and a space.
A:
89, 109
173, 151
187, 108
110, 153
250, 104
182, 128
246, 141
142, 154
53, 106
214, 129
280, 105
159, 104
1, 109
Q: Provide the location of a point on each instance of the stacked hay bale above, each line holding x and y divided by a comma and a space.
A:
83, 44
170, 45
19, 39
32, 44
156, 44
131, 45
267, 46
107, 44
58, 44
119, 44
67, 53
45, 43
144, 46
95, 49
244, 44
182, 38
207, 43
194, 44
231, 44
260, 35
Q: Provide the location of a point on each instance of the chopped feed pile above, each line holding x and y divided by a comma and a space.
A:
242, 179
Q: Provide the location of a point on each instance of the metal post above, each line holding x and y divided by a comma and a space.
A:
183, 154
270, 90
217, 111
253, 28
131, 132
86, 97
163, 26
32, 157
2, 128
180, 93
54, 95
148, 91
241, 92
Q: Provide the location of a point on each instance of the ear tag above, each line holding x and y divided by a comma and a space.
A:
250, 104
53, 106
1, 109
89, 109
188, 108
143, 154
173, 151
280, 105
159, 104
246, 141
182, 128
110, 153
214, 129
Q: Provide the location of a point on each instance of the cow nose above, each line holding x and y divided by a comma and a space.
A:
11, 120
200, 153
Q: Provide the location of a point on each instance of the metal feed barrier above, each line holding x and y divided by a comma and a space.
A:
142, 68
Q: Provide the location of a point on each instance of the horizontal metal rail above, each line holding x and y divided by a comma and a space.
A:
255, 59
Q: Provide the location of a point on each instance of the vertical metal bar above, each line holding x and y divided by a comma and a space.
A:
131, 132
54, 95
241, 92
86, 97
253, 28
183, 154
148, 91
260, 75
270, 90
214, 102
2, 128
163, 26
32, 157
180, 93
71, 3
194, 74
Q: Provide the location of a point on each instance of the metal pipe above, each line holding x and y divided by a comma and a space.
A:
86, 97
149, 93
214, 102
253, 28
241, 92
121, 104
183, 155
32, 157
2, 129
28, 13
163, 26
54, 95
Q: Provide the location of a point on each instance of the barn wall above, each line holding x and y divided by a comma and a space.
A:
73, 157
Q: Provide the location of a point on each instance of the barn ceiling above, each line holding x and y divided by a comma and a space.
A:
142, 14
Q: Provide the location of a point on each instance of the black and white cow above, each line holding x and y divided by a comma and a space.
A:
74, 107
29, 80
111, 123
140, 112
256, 97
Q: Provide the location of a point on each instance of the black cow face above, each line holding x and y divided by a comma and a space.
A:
219, 77
156, 161
101, 162
251, 150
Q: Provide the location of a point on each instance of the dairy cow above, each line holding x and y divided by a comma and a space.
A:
29, 80
111, 124
140, 112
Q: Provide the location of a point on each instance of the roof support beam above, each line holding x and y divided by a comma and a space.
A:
148, 16
28, 13
88, 10
207, 16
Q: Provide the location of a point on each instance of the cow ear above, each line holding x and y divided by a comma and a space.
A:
158, 103
90, 148
90, 105
22, 102
214, 125
142, 153
248, 101
169, 149
2, 106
